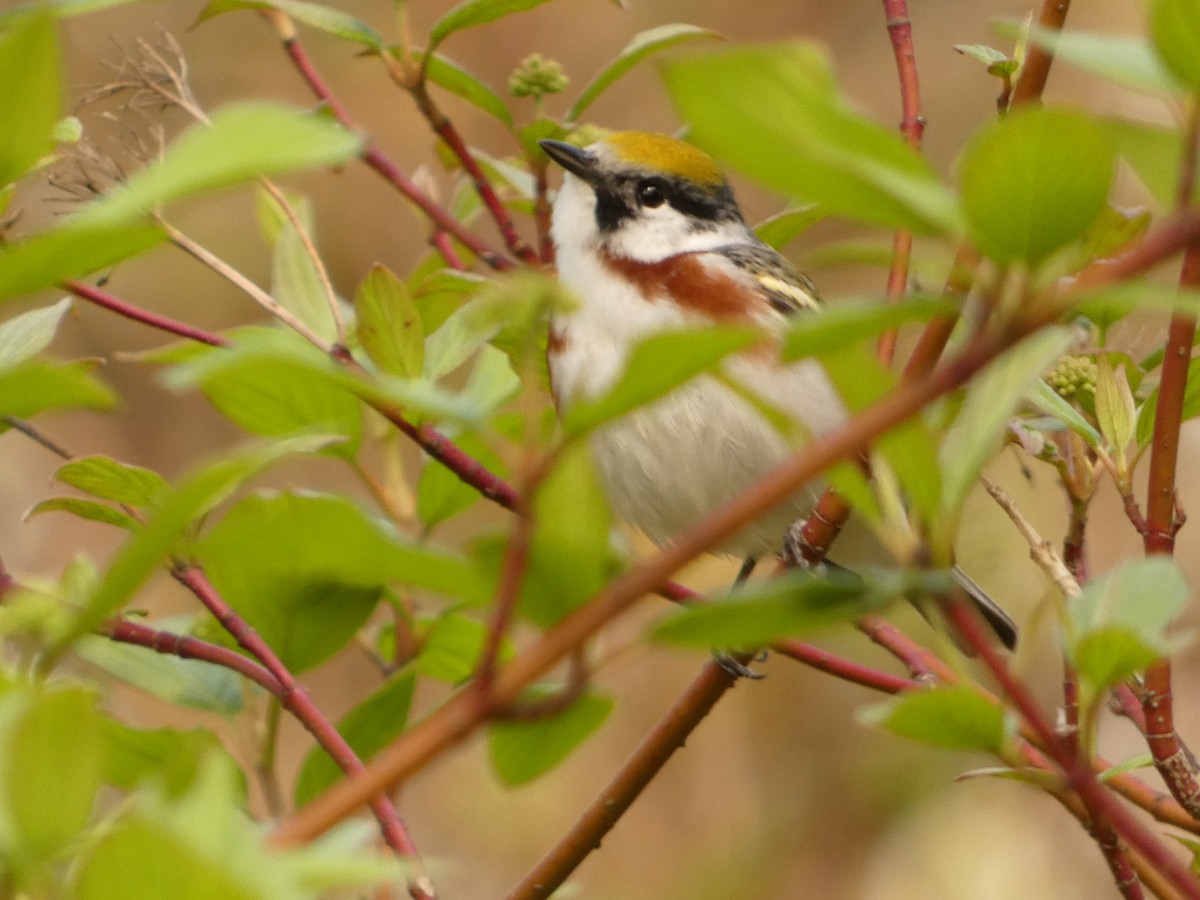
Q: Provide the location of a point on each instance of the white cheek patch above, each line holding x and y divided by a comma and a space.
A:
652, 235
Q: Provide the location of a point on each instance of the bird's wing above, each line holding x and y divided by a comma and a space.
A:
786, 288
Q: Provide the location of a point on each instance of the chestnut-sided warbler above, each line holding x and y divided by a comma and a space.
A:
649, 237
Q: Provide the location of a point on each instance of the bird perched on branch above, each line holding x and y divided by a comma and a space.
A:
649, 236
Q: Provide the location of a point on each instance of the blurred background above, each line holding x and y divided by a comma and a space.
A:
780, 793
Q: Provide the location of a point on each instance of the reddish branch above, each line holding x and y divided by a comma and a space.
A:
1103, 809
630, 780
1035, 70
912, 126
296, 701
445, 129
137, 314
372, 155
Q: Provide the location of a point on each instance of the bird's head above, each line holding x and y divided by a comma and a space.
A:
642, 196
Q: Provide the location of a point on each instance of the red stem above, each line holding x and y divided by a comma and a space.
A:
184, 646
295, 699
154, 320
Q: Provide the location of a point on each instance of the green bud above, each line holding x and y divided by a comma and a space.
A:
536, 76
1072, 375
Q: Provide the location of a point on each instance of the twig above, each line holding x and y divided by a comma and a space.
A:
252, 290
372, 155
297, 701
667, 736
1035, 70
912, 126
1041, 551
137, 314
445, 129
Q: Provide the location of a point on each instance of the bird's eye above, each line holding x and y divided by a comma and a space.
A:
652, 192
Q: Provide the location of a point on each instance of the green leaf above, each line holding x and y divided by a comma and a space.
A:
307, 570
58, 8
475, 12
104, 477
1122, 59
1034, 181
389, 326
493, 381
781, 228
642, 45
450, 75
164, 756
147, 548
296, 284
1114, 407
25, 336
1191, 405
989, 56
451, 647
273, 218
656, 365
1154, 152
1110, 656
1143, 596
992, 399
166, 867
954, 717
368, 728
1175, 27
35, 386
569, 555
323, 18
243, 141
69, 252
792, 604
84, 509
183, 682
909, 449
523, 751
30, 101
50, 767
1044, 398
850, 323
798, 136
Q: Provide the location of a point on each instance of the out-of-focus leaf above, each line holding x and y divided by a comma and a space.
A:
1175, 27
640, 46
29, 103
523, 751
69, 252
35, 386
1191, 405
1122, 59
785, 226
1033, 181
657, 365
182, 682
1044, 398
296, 283
798, 136
954, 717
849, 323
84, 509
164, 756
25, 336
991, 400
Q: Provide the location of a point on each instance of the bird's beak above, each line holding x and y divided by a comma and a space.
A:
574, 159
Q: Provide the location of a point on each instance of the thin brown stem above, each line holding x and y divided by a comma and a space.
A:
1035, 70
154, 320
667, 736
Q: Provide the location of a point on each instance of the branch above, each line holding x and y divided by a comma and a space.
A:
297, 701
372, 155
1035, 70
912, 126
445, 129
630, 780
154, 320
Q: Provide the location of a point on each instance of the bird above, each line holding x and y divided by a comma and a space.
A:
649, 238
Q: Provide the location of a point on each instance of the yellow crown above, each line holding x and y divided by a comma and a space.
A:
666, 155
